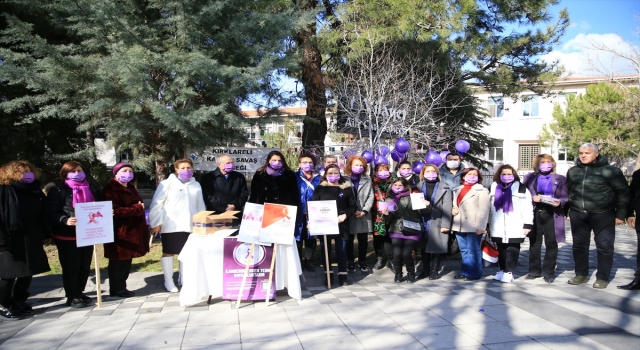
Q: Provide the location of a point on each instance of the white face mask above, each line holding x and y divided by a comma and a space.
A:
453, 164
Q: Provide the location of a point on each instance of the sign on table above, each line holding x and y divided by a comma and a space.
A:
95, 223
323, 218
278, 223
236, 254
251, 223
246, 160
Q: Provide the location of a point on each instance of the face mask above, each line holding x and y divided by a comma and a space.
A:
357, 170
430, 176
185, 175
383, 175
470, 180
79, 176
333, 178
27, 177
506, 179
306, 167
397, 189
229, 168
405, 172
453, 164
545, 167
124, 177
275, 165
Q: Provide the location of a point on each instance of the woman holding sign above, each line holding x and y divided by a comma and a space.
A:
75, 261
175, 202
23, 227
131, 235
334, 187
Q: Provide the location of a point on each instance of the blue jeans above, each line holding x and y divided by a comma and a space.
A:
469, 243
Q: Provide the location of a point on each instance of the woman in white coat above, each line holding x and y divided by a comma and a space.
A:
174, 203
510, 219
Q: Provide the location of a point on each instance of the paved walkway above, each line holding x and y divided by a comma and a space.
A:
372, 313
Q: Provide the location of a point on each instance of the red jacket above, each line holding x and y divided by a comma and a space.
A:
131, 234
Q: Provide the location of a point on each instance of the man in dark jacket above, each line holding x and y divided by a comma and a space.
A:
224, 189
634, 211
598, 201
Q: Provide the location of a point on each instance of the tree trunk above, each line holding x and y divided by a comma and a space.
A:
161, 167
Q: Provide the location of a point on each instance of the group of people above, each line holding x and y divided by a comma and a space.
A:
376, 201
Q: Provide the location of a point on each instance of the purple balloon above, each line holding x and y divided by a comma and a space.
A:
368, 156
349, 153
443, 155
383, 150
397, 156
462, 146
380, 159
417, 166
433, 157
402, 145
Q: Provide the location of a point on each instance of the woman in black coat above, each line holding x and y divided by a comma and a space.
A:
75, 261
275, 182
334, 187
23, 227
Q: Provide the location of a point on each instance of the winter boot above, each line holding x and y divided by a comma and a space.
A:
435, 266
399, 278
378, 265
426, 265
167, 269
342, 280
411, 277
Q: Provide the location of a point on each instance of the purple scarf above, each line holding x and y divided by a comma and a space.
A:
545, 184
81, 191
274, 172
355, 180
503, 200
396, 197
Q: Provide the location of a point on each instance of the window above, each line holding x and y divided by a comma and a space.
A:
496, 153
496, 107
280, 128
530, 106
526, 154
565, 156
251, 135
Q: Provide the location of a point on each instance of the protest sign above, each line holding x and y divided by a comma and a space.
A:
237, 255
278, 223
95, 223
323, 218
417, 201
251, 224
390, 206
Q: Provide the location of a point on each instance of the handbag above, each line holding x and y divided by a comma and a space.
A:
489, 252
410, 228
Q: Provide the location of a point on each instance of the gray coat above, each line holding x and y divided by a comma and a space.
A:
440, 217
452, 180
474, 209
364, 201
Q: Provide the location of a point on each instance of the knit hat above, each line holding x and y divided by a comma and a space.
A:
119, 166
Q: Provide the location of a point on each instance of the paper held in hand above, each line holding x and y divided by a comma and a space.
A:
278, 223
390, 206
417, 201
547, 199
95, 223
323, 218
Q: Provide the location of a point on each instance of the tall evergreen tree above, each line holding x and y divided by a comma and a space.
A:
161, 76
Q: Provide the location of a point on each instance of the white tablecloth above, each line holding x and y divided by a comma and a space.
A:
201, 260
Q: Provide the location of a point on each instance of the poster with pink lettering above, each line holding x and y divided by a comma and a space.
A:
236, 254
95, 223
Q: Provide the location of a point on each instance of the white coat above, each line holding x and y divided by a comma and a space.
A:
174, 204
509, 227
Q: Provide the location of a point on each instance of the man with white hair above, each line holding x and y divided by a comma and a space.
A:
598, 200
224, 189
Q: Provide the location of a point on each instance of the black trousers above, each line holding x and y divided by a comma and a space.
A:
76, 264
118, 274
638, 253
402, 249
544, 229
382, 244
508, 256
604, 233
363, 241
14, 290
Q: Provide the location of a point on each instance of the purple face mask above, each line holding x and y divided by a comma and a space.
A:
357, 170
275, 164
383, 175
78, 177
506, 179
124, 177
397, 189
545, 167
470, 179
430, 176
185, 175
406, 172
306, 167
228, 167
333, 178
27, 177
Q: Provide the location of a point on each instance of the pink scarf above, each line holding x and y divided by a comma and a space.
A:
81, 191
